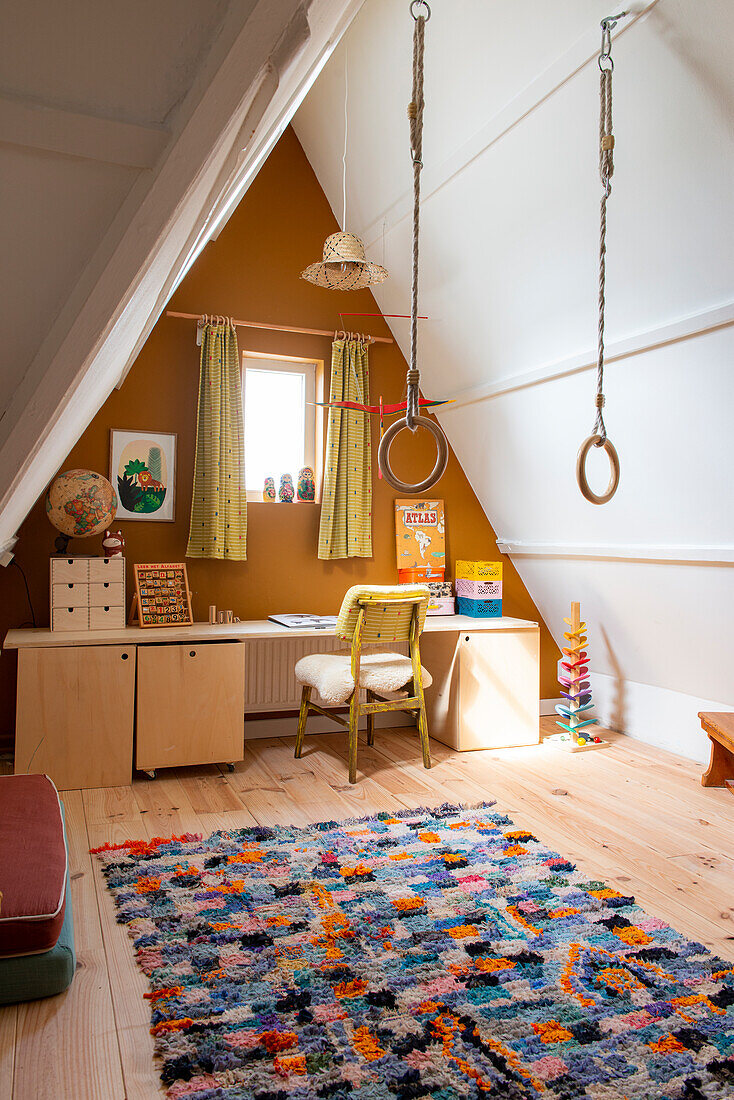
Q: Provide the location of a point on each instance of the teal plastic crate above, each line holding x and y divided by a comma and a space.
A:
478, 609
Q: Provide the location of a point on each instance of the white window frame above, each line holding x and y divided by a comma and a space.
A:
312, 371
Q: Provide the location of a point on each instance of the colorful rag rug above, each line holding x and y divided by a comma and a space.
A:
431, 953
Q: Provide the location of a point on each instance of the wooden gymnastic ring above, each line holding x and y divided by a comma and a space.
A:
587, 492
442, 458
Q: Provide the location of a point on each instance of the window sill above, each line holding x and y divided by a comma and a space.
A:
285, 503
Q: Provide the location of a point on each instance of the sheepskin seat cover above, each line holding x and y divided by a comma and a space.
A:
331, 674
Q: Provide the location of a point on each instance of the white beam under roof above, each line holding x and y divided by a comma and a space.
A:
34, 125
157, 234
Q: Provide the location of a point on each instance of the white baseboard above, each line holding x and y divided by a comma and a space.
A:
548, 706
655, 715
262, 726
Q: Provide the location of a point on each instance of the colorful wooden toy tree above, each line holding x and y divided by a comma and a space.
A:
575, 688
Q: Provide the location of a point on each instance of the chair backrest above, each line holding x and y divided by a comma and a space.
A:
388, 612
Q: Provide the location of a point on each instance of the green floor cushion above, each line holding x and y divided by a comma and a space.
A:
45, 973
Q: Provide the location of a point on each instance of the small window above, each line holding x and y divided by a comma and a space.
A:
281, 421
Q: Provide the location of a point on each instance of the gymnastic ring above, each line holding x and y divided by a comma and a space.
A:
587, 492
442, 458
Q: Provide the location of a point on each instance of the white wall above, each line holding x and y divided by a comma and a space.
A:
508, 280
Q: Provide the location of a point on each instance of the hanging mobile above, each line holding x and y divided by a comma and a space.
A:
413, 419
598, 437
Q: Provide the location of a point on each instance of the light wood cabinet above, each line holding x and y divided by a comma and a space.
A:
485, 688
76, 707
190, 704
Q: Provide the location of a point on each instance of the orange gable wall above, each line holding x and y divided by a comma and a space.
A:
252, 271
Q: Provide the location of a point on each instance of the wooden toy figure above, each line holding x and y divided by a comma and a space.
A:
306, 484
113, 543
269, 490
574, 715
286, 492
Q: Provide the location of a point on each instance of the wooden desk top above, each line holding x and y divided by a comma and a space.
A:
251, 630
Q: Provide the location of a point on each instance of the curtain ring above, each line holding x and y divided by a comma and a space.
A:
442, 457
595, 440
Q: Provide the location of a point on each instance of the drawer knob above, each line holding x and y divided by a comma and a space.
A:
192, 653
124, 656
466, 638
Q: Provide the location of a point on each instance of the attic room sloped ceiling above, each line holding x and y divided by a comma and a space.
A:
509, 253
124, 132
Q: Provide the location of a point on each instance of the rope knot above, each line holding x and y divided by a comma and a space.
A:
412, 109
413, 377
600, 401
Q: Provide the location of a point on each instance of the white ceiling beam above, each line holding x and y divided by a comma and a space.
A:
33, 125
675, 555
268, 117
84, 355
325, 35
685, 328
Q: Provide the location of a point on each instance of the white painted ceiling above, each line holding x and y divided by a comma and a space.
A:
509, 259
131, 63
125, 129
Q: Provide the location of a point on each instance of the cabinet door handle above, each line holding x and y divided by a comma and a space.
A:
192, 653
466, 639
124, 656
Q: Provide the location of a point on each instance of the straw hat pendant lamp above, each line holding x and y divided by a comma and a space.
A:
344, 265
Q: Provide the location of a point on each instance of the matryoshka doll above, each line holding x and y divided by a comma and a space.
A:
269, 490
306, 484
286, 493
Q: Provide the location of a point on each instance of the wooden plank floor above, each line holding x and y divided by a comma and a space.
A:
632, 815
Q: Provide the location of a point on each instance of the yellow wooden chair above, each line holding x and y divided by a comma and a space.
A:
370, 615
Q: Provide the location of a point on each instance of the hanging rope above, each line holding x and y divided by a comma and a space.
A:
598, 437
413, 420
415, 117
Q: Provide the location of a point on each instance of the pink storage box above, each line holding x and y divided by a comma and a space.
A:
479, 590
440, 605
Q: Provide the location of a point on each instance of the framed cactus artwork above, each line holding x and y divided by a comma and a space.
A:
143, 472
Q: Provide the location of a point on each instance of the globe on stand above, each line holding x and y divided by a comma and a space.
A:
79, 504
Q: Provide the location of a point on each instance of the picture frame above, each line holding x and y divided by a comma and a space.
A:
162, 594
143, 474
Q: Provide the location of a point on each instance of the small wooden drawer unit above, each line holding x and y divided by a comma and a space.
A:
87, 593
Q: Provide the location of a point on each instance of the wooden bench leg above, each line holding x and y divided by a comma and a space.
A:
302, 719
721, 766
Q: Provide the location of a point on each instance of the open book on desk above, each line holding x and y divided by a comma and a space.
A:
301, 622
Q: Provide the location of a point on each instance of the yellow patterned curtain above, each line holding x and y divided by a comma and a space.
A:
218, 527
346, 505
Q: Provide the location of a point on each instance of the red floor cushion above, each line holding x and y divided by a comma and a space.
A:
33, 863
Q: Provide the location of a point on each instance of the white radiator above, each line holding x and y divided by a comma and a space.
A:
269, 680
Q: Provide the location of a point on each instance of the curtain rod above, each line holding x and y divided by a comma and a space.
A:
276, 328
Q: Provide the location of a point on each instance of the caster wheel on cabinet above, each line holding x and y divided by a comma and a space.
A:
150, 773
230, 767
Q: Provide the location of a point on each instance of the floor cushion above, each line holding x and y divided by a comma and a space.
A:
33, 865
331, 674
28, 977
